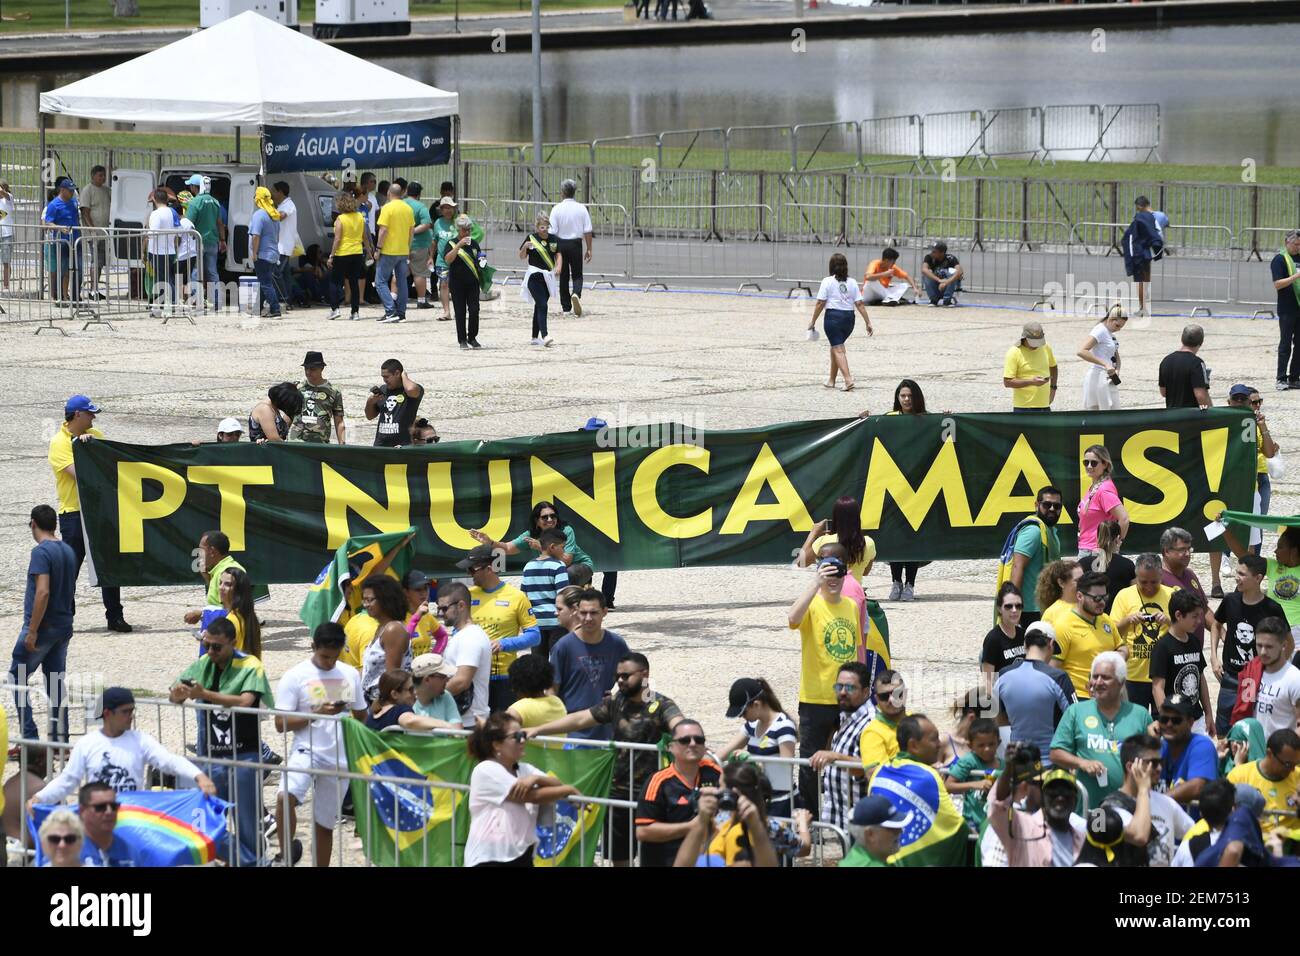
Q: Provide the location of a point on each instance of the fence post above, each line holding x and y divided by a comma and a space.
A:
844, 208
713, 204
794, 151
1114, 212
1024, 212
979, 211
762, 231
1254, 222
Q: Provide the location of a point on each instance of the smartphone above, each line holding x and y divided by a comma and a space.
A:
187, 682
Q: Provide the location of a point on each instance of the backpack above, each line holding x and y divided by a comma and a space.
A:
1008, 549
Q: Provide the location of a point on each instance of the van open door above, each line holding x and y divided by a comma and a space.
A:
130, 191
243, 189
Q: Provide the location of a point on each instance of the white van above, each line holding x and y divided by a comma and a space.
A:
234, 186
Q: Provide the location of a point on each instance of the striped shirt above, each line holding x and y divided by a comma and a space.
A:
542, 579
768, 744
841, 790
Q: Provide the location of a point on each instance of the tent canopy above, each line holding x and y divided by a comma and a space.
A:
250, 71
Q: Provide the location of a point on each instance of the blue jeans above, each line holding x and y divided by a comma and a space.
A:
388, 267
164, 277
246, 786
935, 294
1227, 697
537, 288
284, 280
205, 270
52, 659
265, 271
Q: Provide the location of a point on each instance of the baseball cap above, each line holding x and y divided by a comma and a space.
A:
1032, 334
479, 554
1043, 628
1240, 391
446, 201
743, 693
195, 180
229, 425
313, 358
115, 697
427, 664
65, 182
1059, 775
1180, 703
594, 425
414, 580
877, 811
80, 403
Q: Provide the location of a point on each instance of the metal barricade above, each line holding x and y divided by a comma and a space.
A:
827, 146
1130, 127
693, 148
1253, 282
626, 150
760, 147
1014, 132
610, 221
1070, 129
1001, 256
699, 242
1197, 266
568, 151
957, 134
889, 140
836, 224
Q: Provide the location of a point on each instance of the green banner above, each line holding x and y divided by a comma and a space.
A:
932, 487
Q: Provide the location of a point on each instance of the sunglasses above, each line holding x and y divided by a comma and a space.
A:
1050, 505
444, 608
1013, 607
1257, 403
1174, 719
546, 517
57, 839
846, 688
1090, 463
519, 736
111, 806
687, 741
1095, 597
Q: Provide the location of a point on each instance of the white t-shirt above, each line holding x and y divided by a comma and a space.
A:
1279, 693
839, 295
768, 744
6, 218
162, 245
1106, 346
1171, 822
1184, 855
499, 830
305, 686
288, 227
471, 647
570, 219
117, 761
188, 245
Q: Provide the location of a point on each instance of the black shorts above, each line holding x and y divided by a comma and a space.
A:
618, 828
1139, 692
1142, 271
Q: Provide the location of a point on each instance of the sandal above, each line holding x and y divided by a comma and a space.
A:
828, 384
850, 386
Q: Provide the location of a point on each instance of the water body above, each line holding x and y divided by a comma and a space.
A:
1223, 90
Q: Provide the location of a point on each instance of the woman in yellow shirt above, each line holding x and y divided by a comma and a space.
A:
531, 678
237, 598
1057, 586
347, 260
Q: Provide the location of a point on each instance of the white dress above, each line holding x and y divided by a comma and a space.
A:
1098, 391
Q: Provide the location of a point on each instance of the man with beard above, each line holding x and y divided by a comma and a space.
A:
639, 715
843, 787
1036, 544
1141, 613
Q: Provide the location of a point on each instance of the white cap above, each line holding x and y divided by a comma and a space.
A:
229, 425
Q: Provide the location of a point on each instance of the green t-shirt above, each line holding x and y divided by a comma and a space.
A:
442, 707
1029, 542
1284, 588
1084, 732
205, 212
858, 856
974, 809
444, 232
421, 240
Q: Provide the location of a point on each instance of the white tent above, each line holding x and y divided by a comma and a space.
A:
250, 71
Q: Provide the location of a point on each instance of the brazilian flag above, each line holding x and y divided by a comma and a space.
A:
876, 654
935, 835
414, 825
571, 829
326, 601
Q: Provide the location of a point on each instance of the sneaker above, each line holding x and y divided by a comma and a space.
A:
488, 296
895, 591
422, 304
390, 319
464, 345
354, 317
473, 343
1281, 385
891, 302
952, 303
908, 593
275, 315
548, 341
385, 317
535, 341
1293, 383
333, 314
119, 624
577, 306
1216, 592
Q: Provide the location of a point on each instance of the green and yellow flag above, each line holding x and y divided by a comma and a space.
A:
935, 835
358, 558
570, 835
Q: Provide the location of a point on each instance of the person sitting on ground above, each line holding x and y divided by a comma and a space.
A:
878, 285
394, 706
941, 274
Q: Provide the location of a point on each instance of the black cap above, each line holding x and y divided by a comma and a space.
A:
313, 358
413, 580
1179, 704
743, 693
480, 554
115, 697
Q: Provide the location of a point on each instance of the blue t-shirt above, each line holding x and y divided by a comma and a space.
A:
58, 560
1199, 759
263, 225
585, 673
62, 213
118, 854
1034, 698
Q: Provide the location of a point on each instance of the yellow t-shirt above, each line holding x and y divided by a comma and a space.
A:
237, 621
857, 568
60, 458
1261, 463
1080, 642
1024, 362
360, 630
502, 613
422, 643
400, 220
1276, 793
535, 711
830, 636
351, 226
879, 742
1058, 612
1141, 637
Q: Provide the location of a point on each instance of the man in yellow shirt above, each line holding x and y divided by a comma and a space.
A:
396, 227
1276, 776
78, 425
1141, 613
1030, 371
505, 615
1086, 632
879, 742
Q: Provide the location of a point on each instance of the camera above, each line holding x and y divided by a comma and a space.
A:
727, 801
1024, 761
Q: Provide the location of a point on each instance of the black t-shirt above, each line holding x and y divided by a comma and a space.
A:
1002, 651
1180, 373
1126, 854
1120, 573
1239, 619
947, 262
668, 798
226, 739
458, 270
1287, 305
535, 258
397, 412
1181, 666
389, 717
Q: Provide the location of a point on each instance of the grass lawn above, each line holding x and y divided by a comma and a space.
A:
41, 16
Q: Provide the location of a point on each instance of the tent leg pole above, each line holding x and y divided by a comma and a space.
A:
237, 144
455, 149
40, 138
